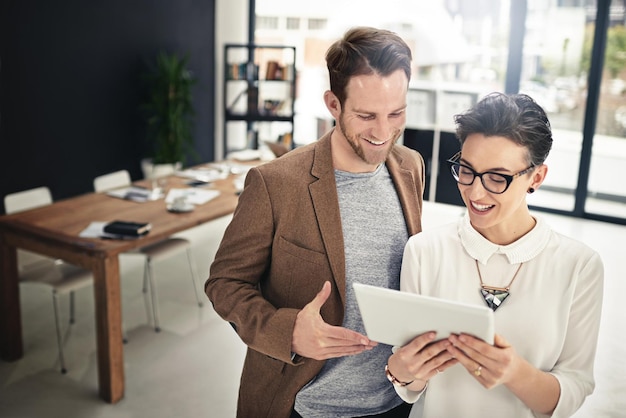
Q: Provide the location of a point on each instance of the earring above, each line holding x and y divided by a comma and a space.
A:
531, 190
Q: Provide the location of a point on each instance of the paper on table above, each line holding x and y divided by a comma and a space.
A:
203, 174
136, 194
96, 230
245, 155
231, 167
194, 196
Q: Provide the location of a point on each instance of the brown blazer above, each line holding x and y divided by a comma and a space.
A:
284, 241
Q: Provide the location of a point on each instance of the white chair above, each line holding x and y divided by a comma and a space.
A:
111, 181
61, 277
154, 252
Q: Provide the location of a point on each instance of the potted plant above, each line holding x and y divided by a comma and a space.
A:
169, 113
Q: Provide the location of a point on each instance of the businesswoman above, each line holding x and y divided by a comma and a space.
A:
545, 288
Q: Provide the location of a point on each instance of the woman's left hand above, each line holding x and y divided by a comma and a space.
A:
491, 365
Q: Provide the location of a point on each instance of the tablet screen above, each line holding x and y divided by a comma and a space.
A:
395, 318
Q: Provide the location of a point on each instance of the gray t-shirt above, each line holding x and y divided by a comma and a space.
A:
375, 233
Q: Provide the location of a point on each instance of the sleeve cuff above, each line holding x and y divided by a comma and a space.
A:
408, 395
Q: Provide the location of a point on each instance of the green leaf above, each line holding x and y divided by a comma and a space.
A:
169, 109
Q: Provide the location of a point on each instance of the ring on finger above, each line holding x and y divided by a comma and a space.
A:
478, 370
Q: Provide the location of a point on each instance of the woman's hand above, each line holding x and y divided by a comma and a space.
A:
420, 360
499, 364
491, 365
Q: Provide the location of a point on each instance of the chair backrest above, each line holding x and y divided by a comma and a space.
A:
21, 201
111, 181
27, 199
161, 170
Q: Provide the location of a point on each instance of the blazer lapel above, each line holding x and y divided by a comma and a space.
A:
326, 204
406, 187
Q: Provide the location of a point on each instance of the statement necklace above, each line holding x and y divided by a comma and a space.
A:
494, 296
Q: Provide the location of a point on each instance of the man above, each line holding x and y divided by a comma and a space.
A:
307, 226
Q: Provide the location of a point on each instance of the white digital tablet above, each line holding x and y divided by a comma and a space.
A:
395, 318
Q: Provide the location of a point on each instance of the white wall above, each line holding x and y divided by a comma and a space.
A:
231, 26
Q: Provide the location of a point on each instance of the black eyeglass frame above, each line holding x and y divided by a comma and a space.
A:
454, 160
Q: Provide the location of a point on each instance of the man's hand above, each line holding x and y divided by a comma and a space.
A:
314, 338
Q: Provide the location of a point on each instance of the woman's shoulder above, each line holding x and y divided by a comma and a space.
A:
436, 234
573, 248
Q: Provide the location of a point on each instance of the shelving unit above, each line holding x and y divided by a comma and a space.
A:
259, 95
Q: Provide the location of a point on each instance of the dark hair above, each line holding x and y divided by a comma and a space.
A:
365, 50
516, 117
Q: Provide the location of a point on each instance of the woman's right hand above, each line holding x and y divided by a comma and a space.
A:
420, 360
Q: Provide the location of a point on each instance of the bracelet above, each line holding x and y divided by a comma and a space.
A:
393, 379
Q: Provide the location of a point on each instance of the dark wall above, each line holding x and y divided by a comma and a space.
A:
70, 85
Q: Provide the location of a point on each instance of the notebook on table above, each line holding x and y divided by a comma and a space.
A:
128, 228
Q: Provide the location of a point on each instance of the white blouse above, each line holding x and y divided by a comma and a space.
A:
551, 316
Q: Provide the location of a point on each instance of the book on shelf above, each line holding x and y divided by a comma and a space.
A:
253, 99
288, 72
252, 71
272, 107
242, 71
275, 71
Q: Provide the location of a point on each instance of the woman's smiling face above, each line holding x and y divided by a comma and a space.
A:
501, 218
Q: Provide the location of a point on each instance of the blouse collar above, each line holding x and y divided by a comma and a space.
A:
524, 249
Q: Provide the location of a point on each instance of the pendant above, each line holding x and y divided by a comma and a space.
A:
494, 297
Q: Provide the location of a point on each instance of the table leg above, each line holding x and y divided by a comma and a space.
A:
11, 346
109, 328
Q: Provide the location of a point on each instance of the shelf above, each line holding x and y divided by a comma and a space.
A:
259, 88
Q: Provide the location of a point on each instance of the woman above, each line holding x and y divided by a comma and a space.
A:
545, 288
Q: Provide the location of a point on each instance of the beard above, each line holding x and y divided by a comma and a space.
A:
369, 156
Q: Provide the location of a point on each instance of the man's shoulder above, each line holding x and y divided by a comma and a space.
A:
293, 161
318, 151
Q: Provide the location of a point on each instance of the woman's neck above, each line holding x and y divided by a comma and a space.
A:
505, 234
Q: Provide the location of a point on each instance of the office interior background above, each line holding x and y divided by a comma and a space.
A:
70, 83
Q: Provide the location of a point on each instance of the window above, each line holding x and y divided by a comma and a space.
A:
317, 24
266, 22
462, 46
293, 23
555, 73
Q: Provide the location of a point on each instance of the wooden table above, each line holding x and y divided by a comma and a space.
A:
54, 231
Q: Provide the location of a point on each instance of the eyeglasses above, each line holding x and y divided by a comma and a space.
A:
492, 182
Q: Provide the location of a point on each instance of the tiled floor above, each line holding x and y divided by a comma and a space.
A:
191, 368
